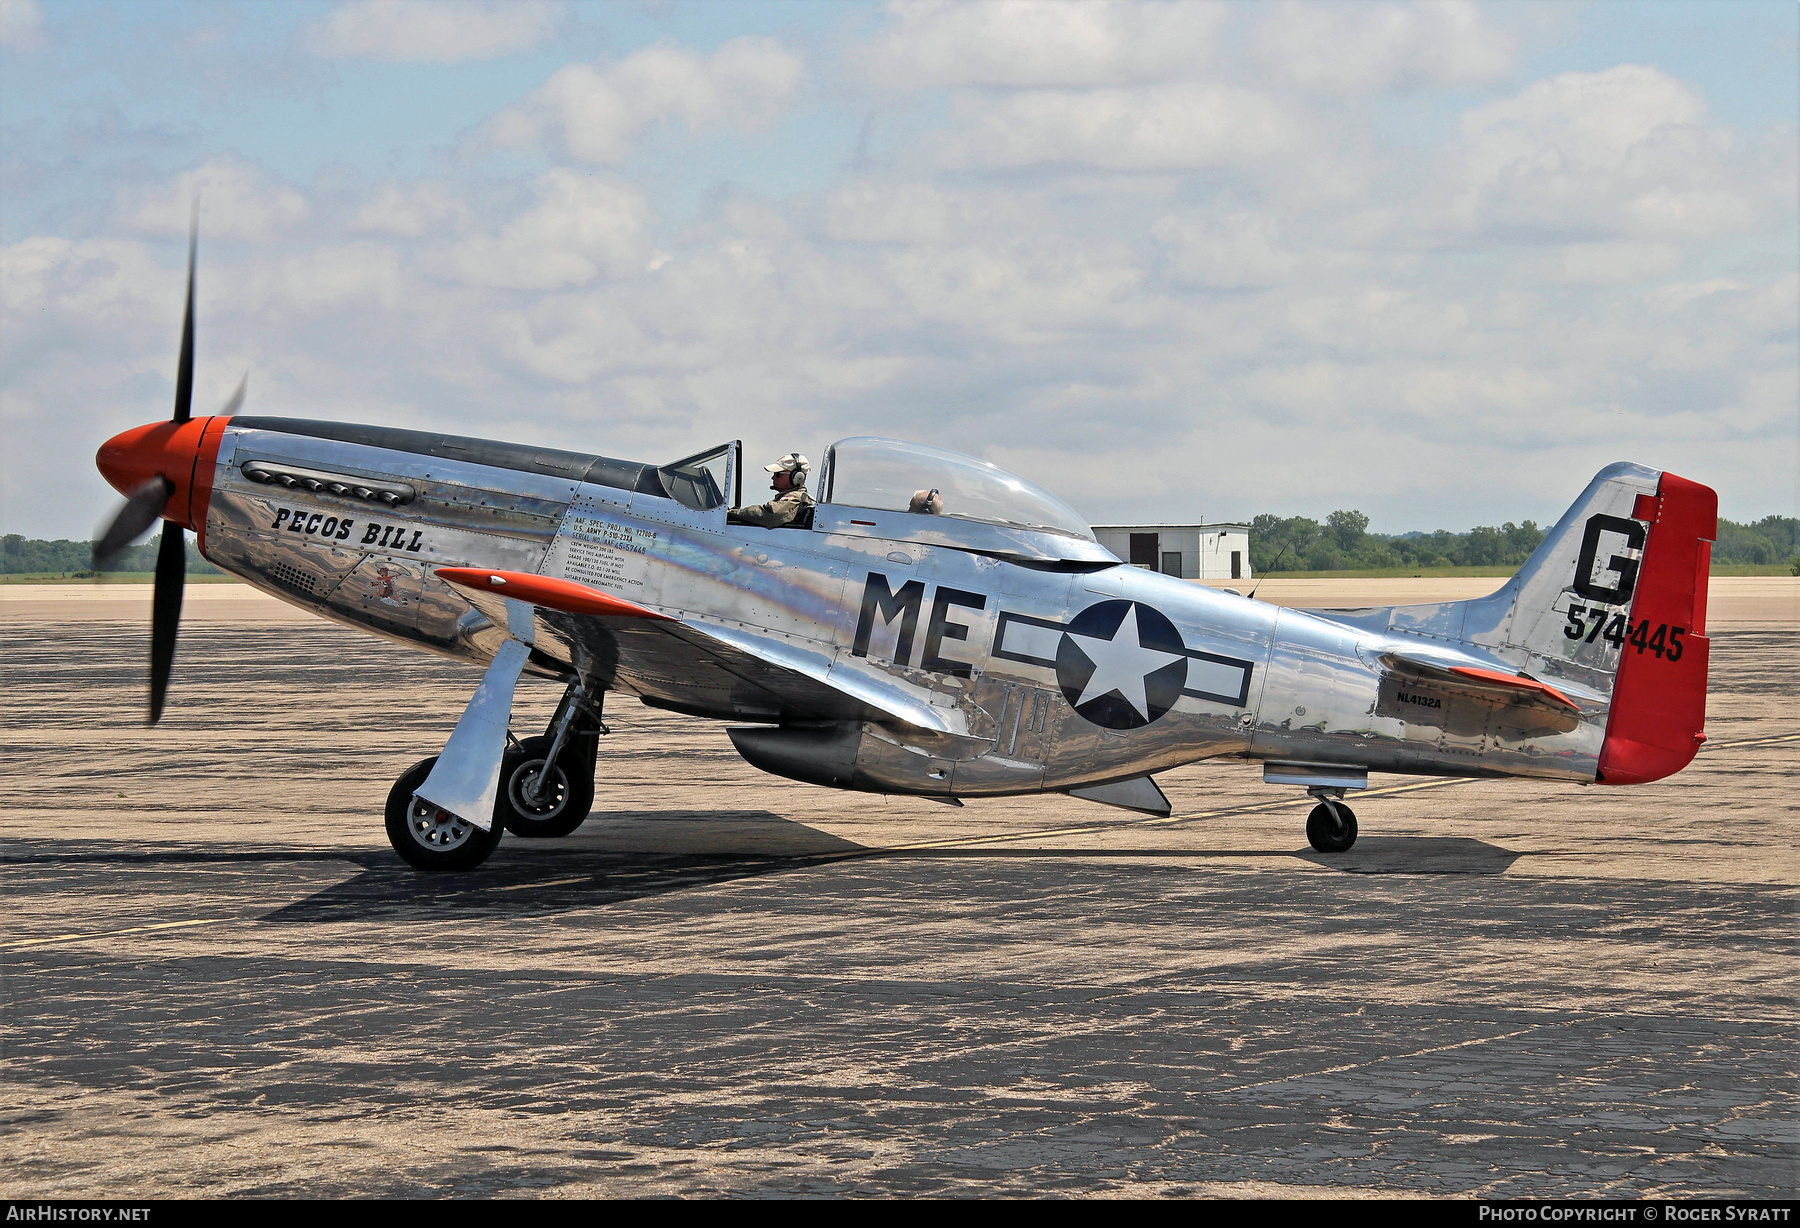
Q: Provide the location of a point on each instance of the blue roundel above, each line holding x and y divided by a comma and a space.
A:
1121, 664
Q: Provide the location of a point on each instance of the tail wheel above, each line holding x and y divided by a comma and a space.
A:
562, 800
427, 836
1331, 827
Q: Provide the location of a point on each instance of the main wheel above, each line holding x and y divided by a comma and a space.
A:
1331, 827
428, 837
566, 797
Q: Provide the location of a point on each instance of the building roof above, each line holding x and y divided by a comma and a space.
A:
1224, 524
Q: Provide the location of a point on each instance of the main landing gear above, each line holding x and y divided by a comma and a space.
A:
532, 799
547, 782
1331, 827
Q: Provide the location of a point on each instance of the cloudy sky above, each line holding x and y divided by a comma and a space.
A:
1439, 262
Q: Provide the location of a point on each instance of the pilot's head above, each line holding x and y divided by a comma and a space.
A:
788, 472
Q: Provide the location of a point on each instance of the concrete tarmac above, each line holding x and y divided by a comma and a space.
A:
219, 980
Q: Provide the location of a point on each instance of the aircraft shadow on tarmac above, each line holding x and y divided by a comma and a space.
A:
1416, 855
626, 857
614, 858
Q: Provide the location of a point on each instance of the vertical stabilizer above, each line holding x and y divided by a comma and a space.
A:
1611, 606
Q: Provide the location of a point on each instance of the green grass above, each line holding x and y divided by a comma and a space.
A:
1389, 573
111, 577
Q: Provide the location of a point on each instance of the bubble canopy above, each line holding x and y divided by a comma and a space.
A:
896, 476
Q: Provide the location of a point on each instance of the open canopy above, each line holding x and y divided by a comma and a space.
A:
892, 475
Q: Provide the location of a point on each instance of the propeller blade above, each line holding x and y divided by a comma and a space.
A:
184, 374
165, 613
237, 398
141, 511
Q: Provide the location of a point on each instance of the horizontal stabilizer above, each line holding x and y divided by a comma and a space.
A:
1139, 793
1519, 681
1509, 686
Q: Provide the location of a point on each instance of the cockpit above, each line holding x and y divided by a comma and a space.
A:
893, 490
894, 476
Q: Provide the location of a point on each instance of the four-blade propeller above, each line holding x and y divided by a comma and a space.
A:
148, 502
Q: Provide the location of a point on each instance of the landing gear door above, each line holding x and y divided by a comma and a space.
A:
709, 481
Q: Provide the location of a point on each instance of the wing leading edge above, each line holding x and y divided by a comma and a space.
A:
701, 667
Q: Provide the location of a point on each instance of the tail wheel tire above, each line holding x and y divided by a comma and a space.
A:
428, 837
562, 805
1331, 827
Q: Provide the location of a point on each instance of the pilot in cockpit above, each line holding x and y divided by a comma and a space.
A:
791, 501
926, 502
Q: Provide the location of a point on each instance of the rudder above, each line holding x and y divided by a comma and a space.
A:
1658, 716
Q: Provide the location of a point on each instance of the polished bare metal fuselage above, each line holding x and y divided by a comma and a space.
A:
961, 699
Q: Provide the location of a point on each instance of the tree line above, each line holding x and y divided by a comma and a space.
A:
21, 556
1343, 543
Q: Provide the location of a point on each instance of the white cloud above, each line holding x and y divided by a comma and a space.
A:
1022, 294
21, 24
1065, 338
1216, 292
434, 31
1670, 298
410, 211
1234, 251
237, 201
103, 281
600, 109
1041, 42
1368, 47
876, 211
1604, 264
1628, 152
331, 278
1590, 120
1178, 126
581, 228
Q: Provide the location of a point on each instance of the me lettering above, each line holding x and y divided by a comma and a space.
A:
881, 602
941, 628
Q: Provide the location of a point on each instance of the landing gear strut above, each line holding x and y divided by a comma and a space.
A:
1331, 827
547, 782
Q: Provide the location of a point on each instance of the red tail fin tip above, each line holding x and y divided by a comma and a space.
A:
1658, 711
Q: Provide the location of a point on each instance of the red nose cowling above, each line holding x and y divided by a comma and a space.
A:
182, 452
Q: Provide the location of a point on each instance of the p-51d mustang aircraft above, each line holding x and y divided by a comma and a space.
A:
986, 646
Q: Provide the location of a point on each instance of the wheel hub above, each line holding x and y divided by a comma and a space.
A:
540, 800
436, 828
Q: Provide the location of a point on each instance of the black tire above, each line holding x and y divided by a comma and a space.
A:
1331, 827
428, 837
568, 795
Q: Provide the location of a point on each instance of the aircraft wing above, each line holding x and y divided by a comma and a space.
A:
705, 668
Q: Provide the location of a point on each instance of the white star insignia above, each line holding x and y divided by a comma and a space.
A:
1121, 664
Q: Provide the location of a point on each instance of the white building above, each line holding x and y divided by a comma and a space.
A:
1191, 551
